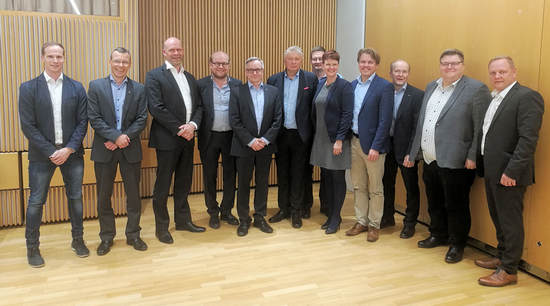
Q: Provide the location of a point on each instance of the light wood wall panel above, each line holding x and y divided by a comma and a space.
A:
9, 163
418, 31
88, 41
243, 28
10, 208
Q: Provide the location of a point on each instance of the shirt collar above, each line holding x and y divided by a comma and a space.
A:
296, 76
125, 81
48, 78
440, 82
367, 81
402, 89
503, 92
226, 83
250, 86
170, 66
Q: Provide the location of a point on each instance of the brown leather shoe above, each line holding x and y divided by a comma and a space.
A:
372, 234
499, 278
488, 262
357, 229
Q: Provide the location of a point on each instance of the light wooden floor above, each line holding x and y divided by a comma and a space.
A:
288, 267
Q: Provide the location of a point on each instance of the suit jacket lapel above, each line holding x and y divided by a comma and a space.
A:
168, 75
44, 92
267, 106
301, 85
209, 97
503, 104
109, 93
452, 99
372, 87
249, 101
406, 99
127, 100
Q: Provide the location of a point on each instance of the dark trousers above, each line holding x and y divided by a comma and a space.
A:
333, 189
448, 193
259, 164
506, 209
410, 179
178, 161
105, 176
220, 144
291, 160
40, 176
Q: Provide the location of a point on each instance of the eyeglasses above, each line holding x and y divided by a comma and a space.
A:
257, 70
220, 64
452, 64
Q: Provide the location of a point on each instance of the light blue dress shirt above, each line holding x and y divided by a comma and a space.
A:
221, 107
359, 94
258, 101
397, 98
119, 95
290, 100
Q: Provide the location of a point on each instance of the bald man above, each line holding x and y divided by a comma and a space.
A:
174, 102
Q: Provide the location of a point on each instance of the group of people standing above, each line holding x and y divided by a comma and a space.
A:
371, 126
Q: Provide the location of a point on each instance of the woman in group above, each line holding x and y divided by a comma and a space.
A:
332, 115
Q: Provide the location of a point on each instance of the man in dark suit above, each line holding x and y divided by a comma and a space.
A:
215, 136
174, 102
117, 110
297, 87
446, 136
406, 104
372, 118
52, 110
256, 115
510, 130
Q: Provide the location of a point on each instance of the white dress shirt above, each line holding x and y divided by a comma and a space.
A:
55, 87
435, 105
183, 85
490, 114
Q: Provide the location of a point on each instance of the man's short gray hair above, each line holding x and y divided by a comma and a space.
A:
294, 49
254, 58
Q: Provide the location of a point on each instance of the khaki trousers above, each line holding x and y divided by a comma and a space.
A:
368, 189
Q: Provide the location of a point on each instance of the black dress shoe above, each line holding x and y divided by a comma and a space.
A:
230, 219
104, 247
260, 223
164, 237
325, 225
137, 243
407, 232
214, 221
332, 229
189, 226
296, 220
431, 242
279, 216
242, 230
306, 213
387, 222
454, 254
34, 258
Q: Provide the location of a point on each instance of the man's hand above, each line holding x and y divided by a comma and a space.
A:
407, 163
258, 144
373, 155
187, 131
470, 164
110, 145
59, 157
122, 141
507, 181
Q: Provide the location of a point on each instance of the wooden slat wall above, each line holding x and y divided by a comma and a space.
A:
421, 30
88, 41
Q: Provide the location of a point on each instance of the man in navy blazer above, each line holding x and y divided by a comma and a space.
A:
215, 136
372, 118
52, 111
255, 114
117, 110
297, 87
407, 102
174, 102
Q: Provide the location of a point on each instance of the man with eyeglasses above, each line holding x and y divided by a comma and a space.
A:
215, 136
174, 102
256, 116
117, 110
297, 87
446, 136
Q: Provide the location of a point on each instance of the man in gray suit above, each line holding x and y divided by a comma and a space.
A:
446, 136
117, 111
509, 135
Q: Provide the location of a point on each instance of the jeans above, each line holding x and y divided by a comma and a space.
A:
40, 176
